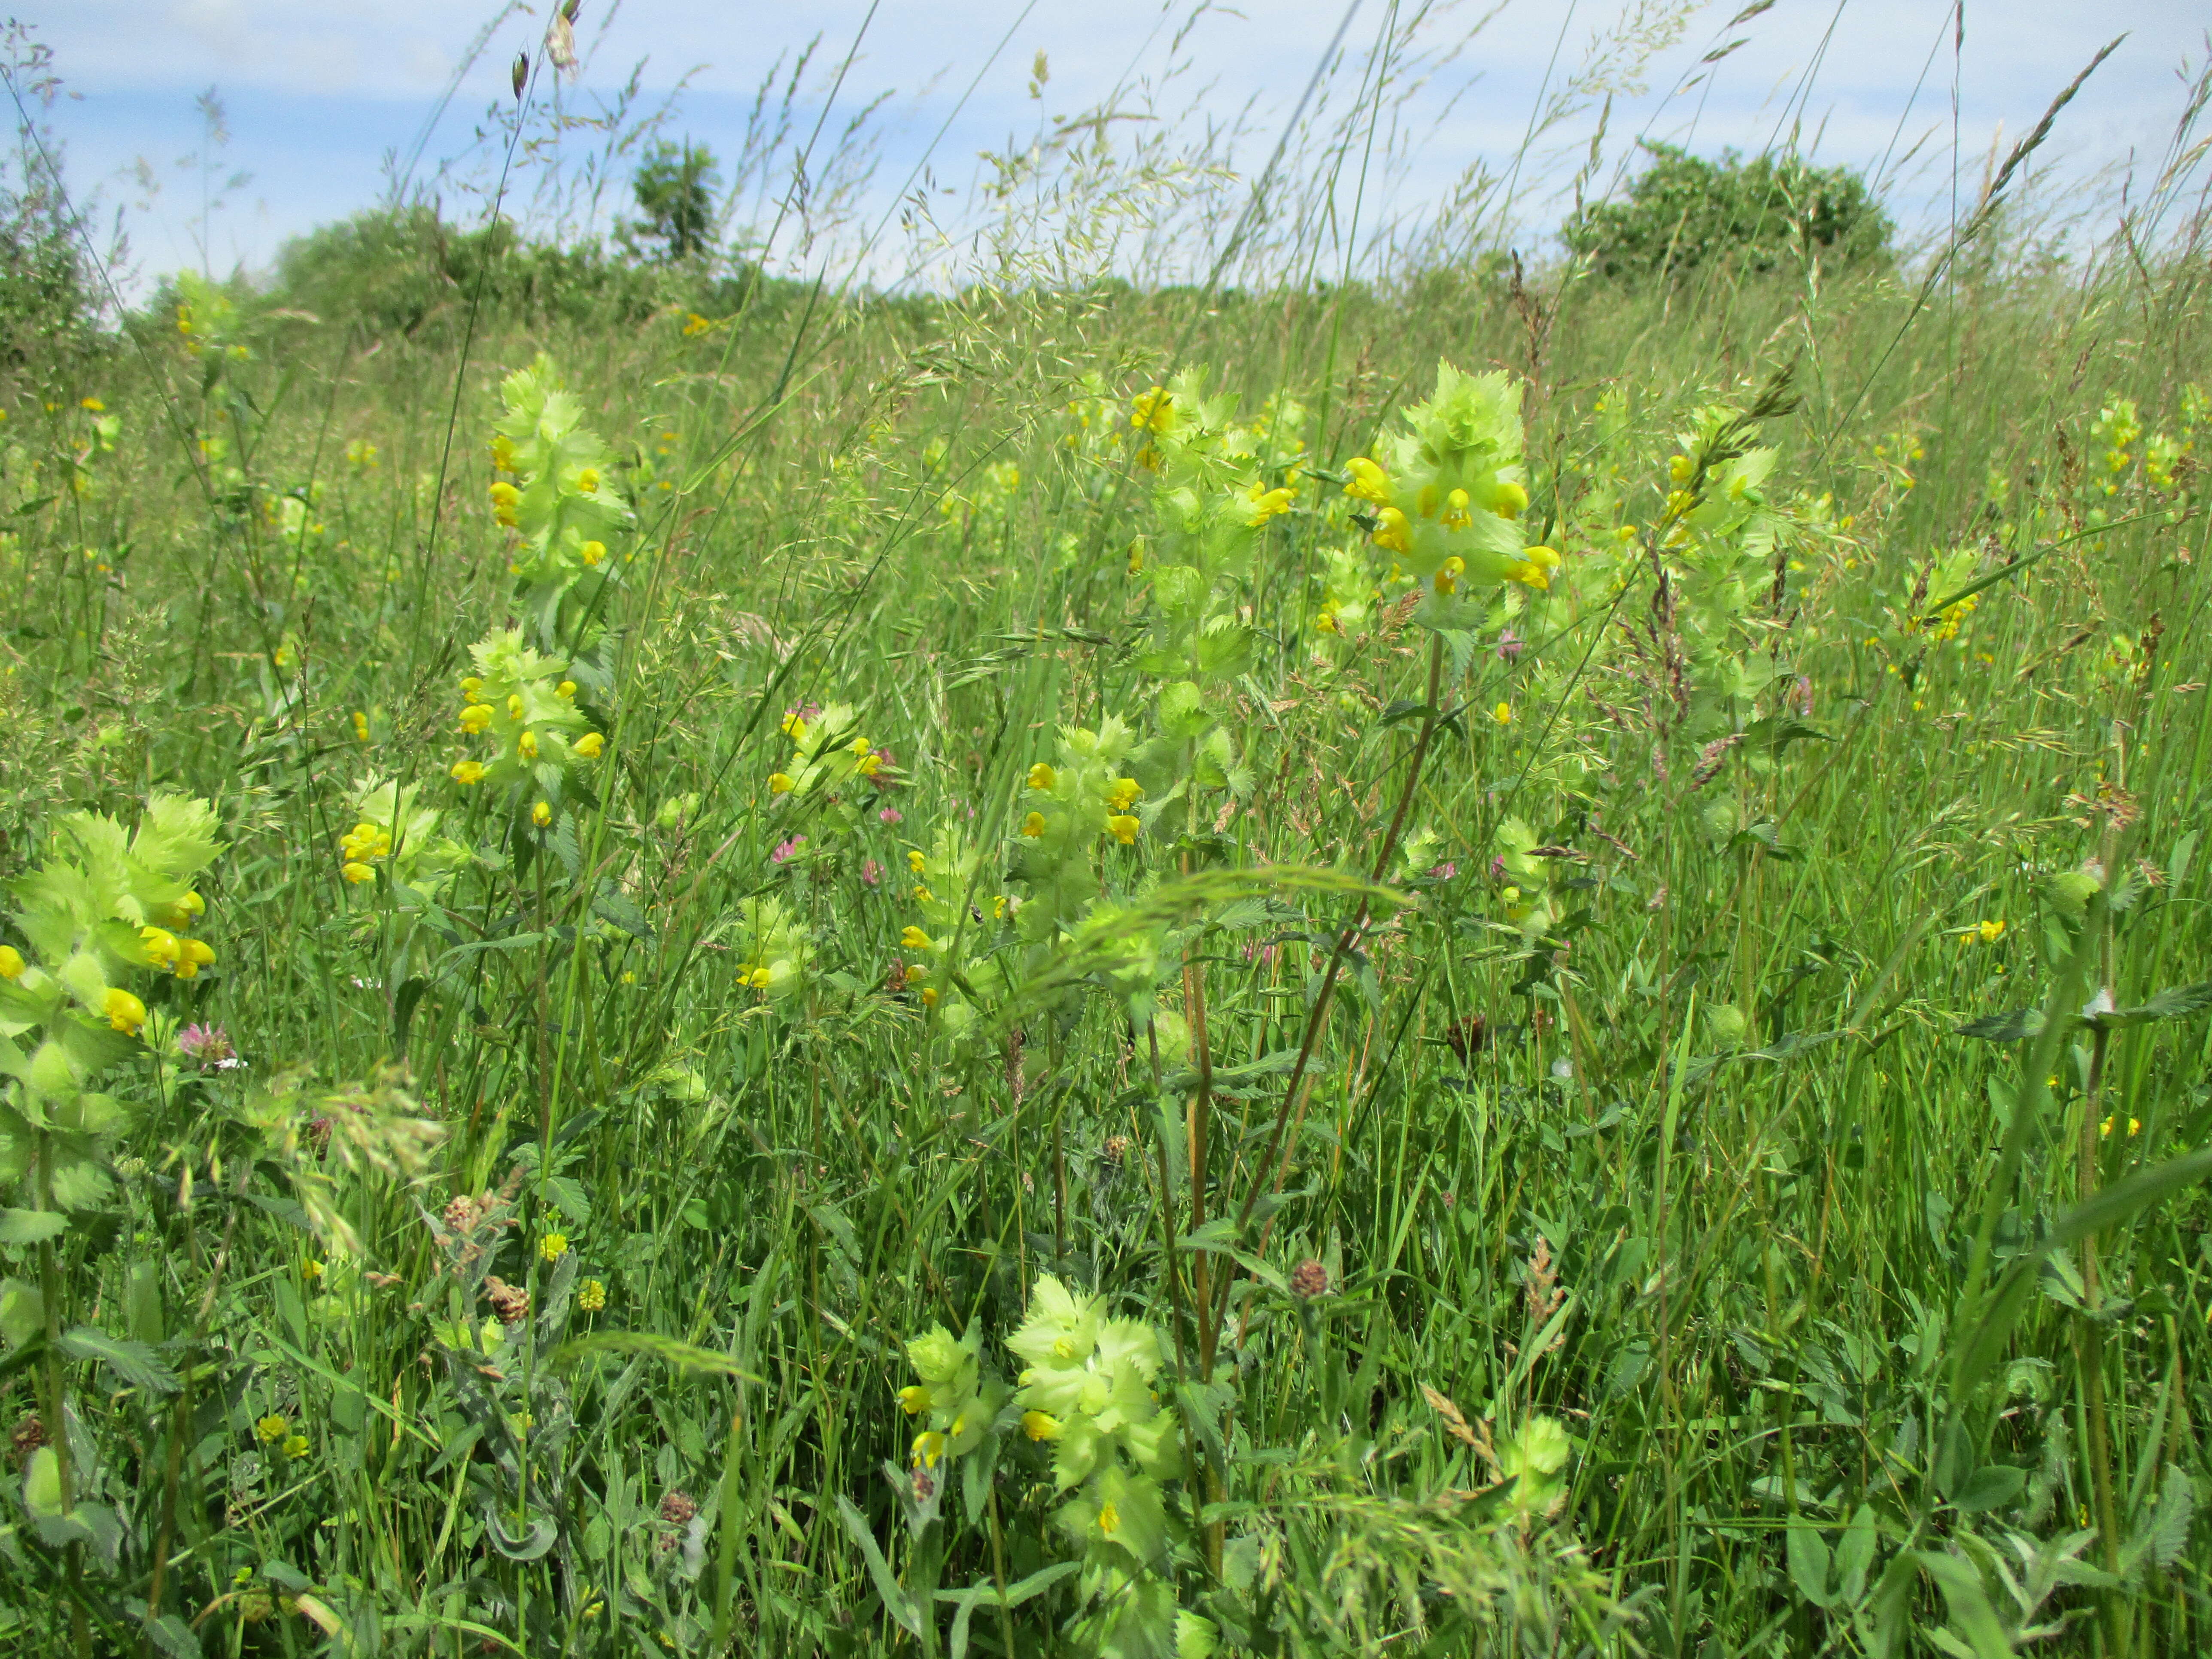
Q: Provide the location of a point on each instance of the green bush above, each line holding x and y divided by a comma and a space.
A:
47, 307
1683, 212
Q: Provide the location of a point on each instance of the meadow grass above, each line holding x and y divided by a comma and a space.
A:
1696, 1166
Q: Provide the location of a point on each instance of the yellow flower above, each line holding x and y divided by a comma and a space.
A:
527, 745
513, 705
1456, 515
11, 962
1512, 500
928, 998
1989, 932
999, 907
125, 1013
869, 764
311, 1271
273, 1428
928, 1447
779, 783
2135, 1126
1040, 1425
1449, 572
193, 905
1267, 504
92, 404
923, 895
198, 954
360, 726
161, 947
468, 771
589, 745
591, 1296
1680, 468
592, 552
1125, 828
588, 482
1534, 567
1109, 1518
913, 939
1368, 482
1033, 824
566, 691
1123, 794
296, 1447
356, 872
504, 498
542, 814
475, 718
1395, 531
1154, 411
915, 862
913, 1400
1041, 776
1503, 714
552, 1247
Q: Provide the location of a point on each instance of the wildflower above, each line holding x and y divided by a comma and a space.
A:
160, 946
890, 815
923, 895
591, 745
779, 783
542, 814
1327, 621
566, 691
1266, 504
527, 745
1503, 714
591, 1296
1308, 1280
913, 939
786, 851
915, 862
1109, 1518
552, 1247
125, 1013
272, 1428
11, 962
1367, 482
871, 874
468, 771
1123, 794
207, 1046
1041, 776
1511, 501
1125, 828
1510, 644
1154, 411
928, 996
92, 404
913, 1400
504, 498
356, 872
475, 718
929, 1448
1534, 567
360, 726
588, 482
198, 954
1394, 530
592, 552
1449, 572
1985, 932
2135, 1126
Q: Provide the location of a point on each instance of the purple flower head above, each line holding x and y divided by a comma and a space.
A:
783, 854
208, 1047
1444, 871
1497, 868
890, 815
1801, 695
1510, 644
871, 871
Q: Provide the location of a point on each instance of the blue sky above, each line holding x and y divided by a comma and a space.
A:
317, 94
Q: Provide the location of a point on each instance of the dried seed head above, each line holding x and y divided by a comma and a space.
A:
1308, 1280
1116, 1149
30, 1434
510, 1302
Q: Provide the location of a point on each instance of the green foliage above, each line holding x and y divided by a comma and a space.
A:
1770, 212
674, 188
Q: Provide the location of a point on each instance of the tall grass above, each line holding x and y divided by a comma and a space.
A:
1724, 1105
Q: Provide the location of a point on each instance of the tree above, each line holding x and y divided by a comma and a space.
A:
1684, 211
675, 191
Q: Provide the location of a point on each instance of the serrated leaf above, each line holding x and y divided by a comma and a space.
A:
31, 1227
2182, 999
2168, 1532
2005, 1028
173, 1636
132, 1363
